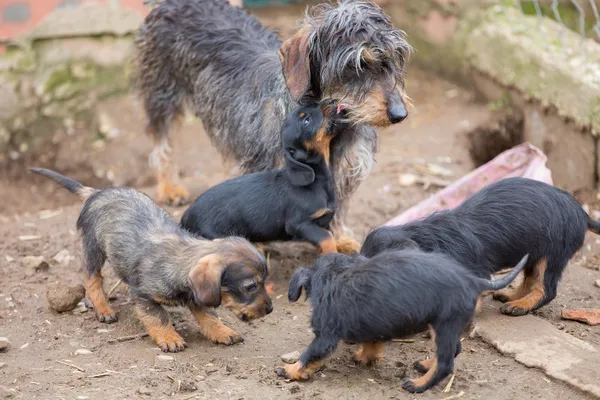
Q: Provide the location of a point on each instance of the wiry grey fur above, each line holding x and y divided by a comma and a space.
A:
224, 64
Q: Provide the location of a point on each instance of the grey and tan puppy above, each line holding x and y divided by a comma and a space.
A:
165, 265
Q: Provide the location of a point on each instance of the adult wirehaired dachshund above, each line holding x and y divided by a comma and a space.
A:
296, 202
392, 295
494, 228
241, 81
165, 265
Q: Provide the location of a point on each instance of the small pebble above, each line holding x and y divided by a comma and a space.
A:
3, 364
560, 327
145, 391
37, 263
63, 258
165, 358
290, 358
4, 344
82, 352
597, 283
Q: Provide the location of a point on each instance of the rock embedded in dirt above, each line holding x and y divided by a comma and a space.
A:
37, 263
63, 298
145, 391
290, 358
63, 258
4, 344
82, 352
597, 283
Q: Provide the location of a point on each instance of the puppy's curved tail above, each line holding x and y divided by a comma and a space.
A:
84, 192
593, 226
497, 284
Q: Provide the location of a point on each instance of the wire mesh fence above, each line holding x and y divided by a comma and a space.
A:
579, 16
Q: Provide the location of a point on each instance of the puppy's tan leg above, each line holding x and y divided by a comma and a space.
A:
534, 287
369, 353
299, 371
95, 292
328, 245
159, 325
519, 289
213, 329
169, 191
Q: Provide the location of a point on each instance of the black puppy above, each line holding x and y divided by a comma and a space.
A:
494, 228
391, 295
296, 202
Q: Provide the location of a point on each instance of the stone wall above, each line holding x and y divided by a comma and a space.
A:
52, 78
519, 61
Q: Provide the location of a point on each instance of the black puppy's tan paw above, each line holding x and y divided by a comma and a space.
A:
499, 296
412, 388
107, 318
513, 310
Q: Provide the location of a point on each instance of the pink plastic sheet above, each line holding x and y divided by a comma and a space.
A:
524, 160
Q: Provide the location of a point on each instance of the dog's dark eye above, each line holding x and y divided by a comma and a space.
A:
306, 121
251, 286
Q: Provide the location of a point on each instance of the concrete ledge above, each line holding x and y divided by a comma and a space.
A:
519, 52
536, 343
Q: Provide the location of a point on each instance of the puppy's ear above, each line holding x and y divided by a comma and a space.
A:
205, 280
302, 278
299, 174
296, 64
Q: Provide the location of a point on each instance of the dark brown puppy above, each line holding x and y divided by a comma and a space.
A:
241, 80
494, 228
165, 265
293, 203
391, 295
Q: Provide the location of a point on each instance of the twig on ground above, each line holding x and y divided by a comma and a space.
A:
403, 340
115, 286
449, 385
127, 338
71, 365
454, 396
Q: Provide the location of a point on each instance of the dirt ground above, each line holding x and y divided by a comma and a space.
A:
38, 219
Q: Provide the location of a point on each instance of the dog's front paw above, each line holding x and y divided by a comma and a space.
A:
107, 317
348, 246
294, 372
411, 387
225, 335
513, 309
172, 194
170, 342
499, 296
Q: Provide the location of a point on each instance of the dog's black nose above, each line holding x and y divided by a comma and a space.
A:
397, 113
269, 308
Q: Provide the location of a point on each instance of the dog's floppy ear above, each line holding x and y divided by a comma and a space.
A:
205, 280
296, 64
299, 174
302, 278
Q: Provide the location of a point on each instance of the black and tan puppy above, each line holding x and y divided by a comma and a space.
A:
494, 228
293, 203
391, 295
165, 265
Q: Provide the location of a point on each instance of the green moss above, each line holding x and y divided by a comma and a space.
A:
57, 77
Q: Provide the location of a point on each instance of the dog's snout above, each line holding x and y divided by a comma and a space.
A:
269, 308
397, 112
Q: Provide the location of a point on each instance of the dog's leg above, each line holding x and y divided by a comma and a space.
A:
95, 292
447, 340
169, 191
213, 329
343, 235
518, 290
158, 325
310, 360
369, 353
535, 292
314, 234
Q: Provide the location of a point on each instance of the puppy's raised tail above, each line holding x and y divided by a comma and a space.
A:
593, 226
72, 186
498, 284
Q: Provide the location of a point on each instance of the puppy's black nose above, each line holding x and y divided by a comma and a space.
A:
397, 113
269, 308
